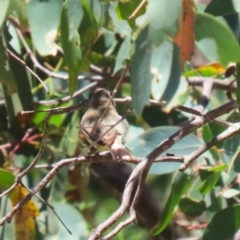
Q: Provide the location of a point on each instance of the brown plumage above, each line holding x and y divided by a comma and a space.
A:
102, 126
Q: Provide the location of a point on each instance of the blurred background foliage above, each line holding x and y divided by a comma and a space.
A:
171, 49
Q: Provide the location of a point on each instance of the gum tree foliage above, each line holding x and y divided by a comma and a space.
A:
74, 45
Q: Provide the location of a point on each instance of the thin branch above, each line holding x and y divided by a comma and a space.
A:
197, 113
67, 98
232, 130
28, 69
102, 157
17, 146
141, 170
51, 207
224, 84
143, 2
8, 190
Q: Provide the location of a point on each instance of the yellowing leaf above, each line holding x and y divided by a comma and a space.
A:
185, 36
25, 226
208, 70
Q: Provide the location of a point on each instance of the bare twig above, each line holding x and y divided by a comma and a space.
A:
225, 84
143, 2
24, 139
67, 98
28, 69
51, 207
102, 157
197, 113
141, 170
232, 130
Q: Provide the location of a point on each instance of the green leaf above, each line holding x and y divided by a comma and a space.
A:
224, 224
191, 207
207, 26
175, 86
22, 82
164, 16
73, 220
56, 119
122, 27
140, 73
6, 76
123, 54
75, 15
229, 193
180, 185
146, 142
161, 62
126, 8
238, 85
6, 179
223, 7
231, 152
72, 51
44, 17
211, 178
19, 9
3, 10
88, 30
69, 141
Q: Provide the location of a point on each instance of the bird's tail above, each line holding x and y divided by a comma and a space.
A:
118, 151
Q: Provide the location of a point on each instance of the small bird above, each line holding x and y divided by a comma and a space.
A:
102, 126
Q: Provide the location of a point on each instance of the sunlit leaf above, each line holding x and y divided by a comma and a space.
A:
211, 178
25, 225
208, 70
229, 193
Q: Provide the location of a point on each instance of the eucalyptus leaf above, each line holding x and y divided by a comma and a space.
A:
75, 15
161, 62
71, 48
3, 10
164, 16
142, 145
44, 18
140, 73
222, 7
207, 26
180, 185
224, 224
6, 179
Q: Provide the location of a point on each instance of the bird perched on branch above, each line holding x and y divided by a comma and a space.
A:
103, 127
